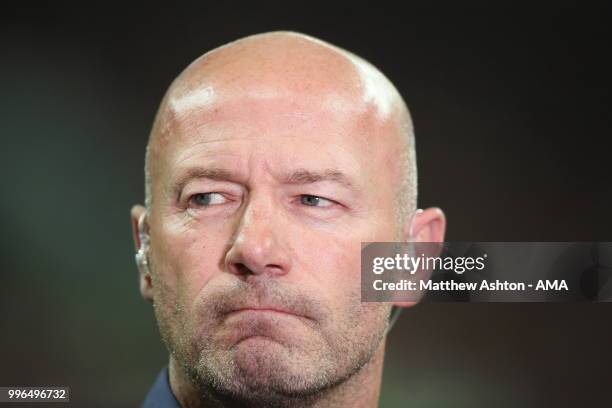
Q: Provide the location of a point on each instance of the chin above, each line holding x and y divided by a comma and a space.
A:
261, 365
265, 360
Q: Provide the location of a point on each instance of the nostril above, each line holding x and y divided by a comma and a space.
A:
242, 269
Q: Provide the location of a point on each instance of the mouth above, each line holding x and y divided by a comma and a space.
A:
255, 311
258, 321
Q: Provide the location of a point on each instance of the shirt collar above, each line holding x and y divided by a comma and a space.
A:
160, 395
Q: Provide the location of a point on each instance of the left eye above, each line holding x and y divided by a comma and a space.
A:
207, 199
315, 201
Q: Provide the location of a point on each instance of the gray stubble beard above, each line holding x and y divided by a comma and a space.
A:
262, 376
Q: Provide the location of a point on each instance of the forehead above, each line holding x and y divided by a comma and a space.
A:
280, 128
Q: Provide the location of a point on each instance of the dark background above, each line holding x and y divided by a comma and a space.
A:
512, 110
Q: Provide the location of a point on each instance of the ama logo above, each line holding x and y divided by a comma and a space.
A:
551, 285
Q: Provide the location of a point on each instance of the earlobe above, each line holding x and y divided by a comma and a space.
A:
146, 286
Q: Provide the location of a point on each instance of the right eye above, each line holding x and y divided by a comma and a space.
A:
207, 199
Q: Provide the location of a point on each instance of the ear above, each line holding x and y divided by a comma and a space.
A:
140, 235
427, 225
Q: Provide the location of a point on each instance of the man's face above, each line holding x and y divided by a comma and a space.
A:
260, 203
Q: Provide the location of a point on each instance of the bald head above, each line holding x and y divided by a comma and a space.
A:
299, 70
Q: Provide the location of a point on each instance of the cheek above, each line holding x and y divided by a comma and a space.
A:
346, 263
330, 262
188, 258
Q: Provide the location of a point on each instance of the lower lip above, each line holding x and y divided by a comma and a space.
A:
262, 311
271, 315
261, 325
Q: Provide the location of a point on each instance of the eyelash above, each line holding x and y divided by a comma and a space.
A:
331, 202
194, 196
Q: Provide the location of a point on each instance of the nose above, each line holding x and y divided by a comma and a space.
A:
259, 246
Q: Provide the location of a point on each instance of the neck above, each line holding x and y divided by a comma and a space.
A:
361, 390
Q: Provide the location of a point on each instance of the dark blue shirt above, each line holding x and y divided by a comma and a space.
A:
160, 395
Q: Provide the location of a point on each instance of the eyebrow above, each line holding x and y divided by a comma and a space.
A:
214, 173
300, 177
308, 177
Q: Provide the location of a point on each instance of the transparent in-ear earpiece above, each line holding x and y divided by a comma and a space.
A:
141, 258
143, 237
